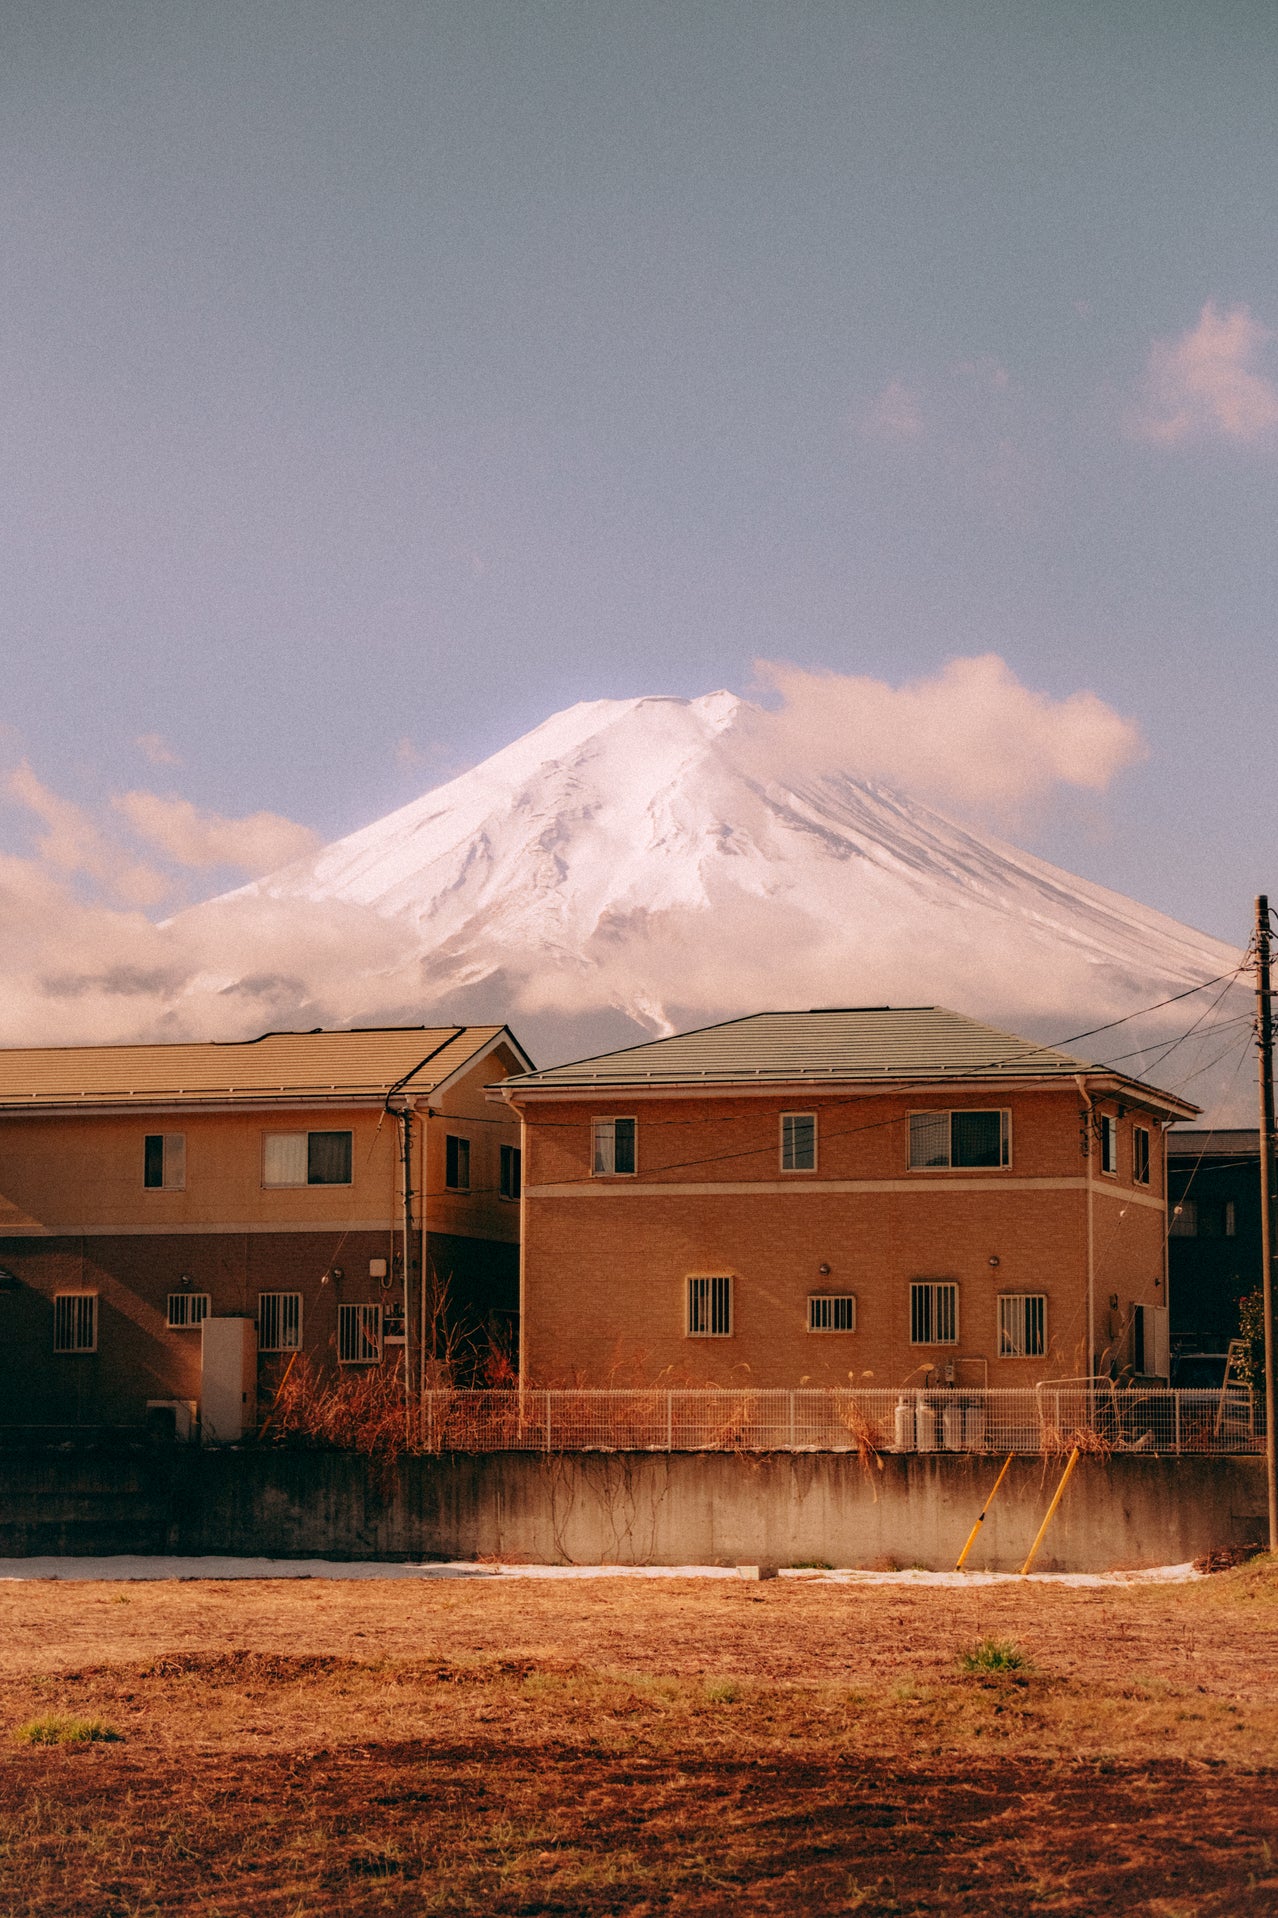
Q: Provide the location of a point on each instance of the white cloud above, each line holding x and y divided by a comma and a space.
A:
255, 844
156, 748
1208, 382
971, 738
896, 414
73, 843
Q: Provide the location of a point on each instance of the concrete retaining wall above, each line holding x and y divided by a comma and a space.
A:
626, 1508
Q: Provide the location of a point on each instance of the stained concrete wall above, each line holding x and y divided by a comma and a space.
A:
626, 1508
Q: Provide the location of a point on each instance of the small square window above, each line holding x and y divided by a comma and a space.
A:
1022, 1325
456, 1163
164, 1161
710, 1308
75, 1321
614, 1146
798, 1141
1140, 1155
831, 1312
359, 1334
279, 1322
511, 1172
933, 1312
187, 1311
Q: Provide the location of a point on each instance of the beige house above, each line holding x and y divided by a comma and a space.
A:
147, 1190
879, 1195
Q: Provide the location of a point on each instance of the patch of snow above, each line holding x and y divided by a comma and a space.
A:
142, 1569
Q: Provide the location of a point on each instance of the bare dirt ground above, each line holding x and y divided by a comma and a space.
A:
632, 1747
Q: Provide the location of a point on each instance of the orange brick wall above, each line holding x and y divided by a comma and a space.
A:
606, 1259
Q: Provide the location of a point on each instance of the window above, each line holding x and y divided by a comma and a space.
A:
511, 1172
456, 1163
831, 1312
960, 1138
359, 1334
614, 1145
1022, 1325
187, 1310
1140, 1155
1108, 1143
798, 1141
1184, 1220
306, 1158
75, 1321
933, 1312
279, 1322
710, 1308
164, 1161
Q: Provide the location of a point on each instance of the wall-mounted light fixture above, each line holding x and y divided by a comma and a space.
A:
185, 1279
995, 1260
824, 1270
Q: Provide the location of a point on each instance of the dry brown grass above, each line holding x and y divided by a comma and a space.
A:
486, 1746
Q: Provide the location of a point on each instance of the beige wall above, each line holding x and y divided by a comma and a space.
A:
606, 1259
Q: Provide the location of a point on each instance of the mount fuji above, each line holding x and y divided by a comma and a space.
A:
636, 866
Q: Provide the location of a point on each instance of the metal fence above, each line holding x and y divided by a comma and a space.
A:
1097, 1416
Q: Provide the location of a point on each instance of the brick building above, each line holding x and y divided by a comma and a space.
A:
872, 1194
147, 1189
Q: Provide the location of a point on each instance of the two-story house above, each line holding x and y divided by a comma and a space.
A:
146, 1189
875, 1195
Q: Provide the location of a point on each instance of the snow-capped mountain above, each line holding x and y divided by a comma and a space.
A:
634, 866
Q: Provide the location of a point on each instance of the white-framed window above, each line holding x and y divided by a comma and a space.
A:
962, 1138
798, 1141
933, 1312
359, 1334
187, 1311
710, 1307
832, 1312
456, 1162
511, 1173
306, 1158
75, 1321
1140, 1155
1108, 1143
279, 1322
614, 1143
164, 1161
1022, 1325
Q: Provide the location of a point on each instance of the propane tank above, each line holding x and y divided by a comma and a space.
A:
952, 1426
903, 1426
925, 1421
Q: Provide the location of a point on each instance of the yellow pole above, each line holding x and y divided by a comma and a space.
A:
971, 1537
1042, 1530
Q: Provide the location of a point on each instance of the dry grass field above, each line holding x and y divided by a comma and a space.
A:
638, 1747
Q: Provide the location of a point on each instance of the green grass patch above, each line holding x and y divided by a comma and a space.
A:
993, 1655
55, 1728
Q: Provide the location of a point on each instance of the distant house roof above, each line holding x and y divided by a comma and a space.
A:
359, 1066
1234, 1142
881, 1044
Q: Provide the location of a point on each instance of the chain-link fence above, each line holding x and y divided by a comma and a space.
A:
1097, 1416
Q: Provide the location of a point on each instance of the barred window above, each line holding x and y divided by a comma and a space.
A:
710, 1308
456, 1163
973, 1138
614, 1145
1140, 1155
279, 1322
306, 1158
831, 1312
75, 1321
933, 1312
359, 1334
187, 1310
511, 1175
164, 1161
798, 1141
1022, 1325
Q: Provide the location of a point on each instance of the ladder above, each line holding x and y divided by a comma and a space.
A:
1235, 1366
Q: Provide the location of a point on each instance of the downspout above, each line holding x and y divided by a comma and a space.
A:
1086, 1096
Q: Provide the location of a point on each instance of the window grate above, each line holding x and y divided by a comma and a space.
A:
187, 1310
933, 1312
75, 1321
359, 1334
831, 1312
1022, 1325
710, 1307
279, 1322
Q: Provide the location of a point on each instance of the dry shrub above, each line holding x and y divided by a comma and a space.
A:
354, 1410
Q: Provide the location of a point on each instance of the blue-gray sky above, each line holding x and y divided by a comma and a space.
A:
380, 378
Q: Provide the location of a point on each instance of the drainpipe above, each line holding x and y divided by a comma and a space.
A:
1086, 1096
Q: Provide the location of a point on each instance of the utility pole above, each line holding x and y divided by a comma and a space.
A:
1265, 1046
406, 1157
